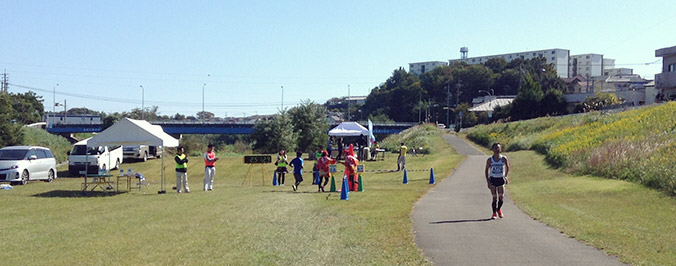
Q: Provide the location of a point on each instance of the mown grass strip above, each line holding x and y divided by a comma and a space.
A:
621, 218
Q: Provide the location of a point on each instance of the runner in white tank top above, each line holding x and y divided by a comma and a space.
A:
497, 169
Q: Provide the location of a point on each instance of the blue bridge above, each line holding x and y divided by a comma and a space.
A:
176, 128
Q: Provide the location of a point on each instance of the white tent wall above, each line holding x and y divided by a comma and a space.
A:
348, 129
132, 132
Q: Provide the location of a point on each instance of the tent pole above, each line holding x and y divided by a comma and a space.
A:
162, 190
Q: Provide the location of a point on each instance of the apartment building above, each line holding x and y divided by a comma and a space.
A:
586, 65
422, 67
558, 57
665, 82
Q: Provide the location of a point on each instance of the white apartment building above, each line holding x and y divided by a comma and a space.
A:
589, 65
558, 57
422, 67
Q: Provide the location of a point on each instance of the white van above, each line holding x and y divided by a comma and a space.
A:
98, 158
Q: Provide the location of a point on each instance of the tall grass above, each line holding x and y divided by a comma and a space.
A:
633, 145
415, 137
39, 137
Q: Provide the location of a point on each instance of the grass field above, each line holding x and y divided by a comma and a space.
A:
54, 224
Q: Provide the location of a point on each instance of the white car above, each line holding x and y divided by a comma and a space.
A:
19, 164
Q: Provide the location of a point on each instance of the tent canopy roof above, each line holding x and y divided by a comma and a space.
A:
132, 132
347, 129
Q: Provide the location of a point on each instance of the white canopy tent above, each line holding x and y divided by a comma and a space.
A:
132, 132
348, 129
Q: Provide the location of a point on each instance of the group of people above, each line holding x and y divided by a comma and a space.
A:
181, 160
338, 143
322, 166
496, 171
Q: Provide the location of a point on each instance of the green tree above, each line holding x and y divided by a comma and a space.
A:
309, 123
527, 102
393, 98
27, 107
10, 130
269, 136
553, 103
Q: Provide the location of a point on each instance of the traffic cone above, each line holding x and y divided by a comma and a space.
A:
274, 178
345, 191
361, 186
405, 177
333, 185
432, 176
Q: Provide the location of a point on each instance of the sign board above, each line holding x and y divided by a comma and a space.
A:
251, 159
360, 168
332, 169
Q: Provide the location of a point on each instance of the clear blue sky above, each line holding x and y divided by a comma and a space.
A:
244, 51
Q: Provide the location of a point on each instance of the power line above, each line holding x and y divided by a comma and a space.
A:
130, 101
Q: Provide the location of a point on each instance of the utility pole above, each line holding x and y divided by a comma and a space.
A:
282, 98
143, 109
54, 99
348, 102
448, 103
202, 116
4, 84
420, 105
458, 117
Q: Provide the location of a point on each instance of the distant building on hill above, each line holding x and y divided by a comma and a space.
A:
422, 67
665, 82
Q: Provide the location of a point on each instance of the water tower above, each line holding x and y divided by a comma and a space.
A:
463, 52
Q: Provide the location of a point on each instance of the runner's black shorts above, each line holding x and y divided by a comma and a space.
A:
497, 181
299, 178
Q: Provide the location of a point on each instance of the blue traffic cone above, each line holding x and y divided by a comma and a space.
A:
345, 191
274, 178
432, 176
405, 177
333, 185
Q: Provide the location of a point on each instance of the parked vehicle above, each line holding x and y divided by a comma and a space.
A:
96, 158
142, 152
20, 164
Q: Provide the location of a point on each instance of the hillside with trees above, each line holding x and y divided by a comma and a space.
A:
405, 97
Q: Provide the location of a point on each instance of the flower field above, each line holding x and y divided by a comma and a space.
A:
636, 145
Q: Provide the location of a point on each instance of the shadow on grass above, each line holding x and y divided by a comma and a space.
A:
76, 194
462, 221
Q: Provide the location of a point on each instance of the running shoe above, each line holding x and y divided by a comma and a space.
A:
495, 216
294, 187
500, 214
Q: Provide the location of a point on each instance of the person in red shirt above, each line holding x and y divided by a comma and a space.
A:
209, 168
323, 164
351, 163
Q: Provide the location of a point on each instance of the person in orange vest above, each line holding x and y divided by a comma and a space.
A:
323, 164
209, 167
351, 163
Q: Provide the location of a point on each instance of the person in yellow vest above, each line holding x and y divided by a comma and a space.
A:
281, 164
181, 170
401, 160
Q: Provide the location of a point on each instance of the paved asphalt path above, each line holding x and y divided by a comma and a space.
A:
452, 225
